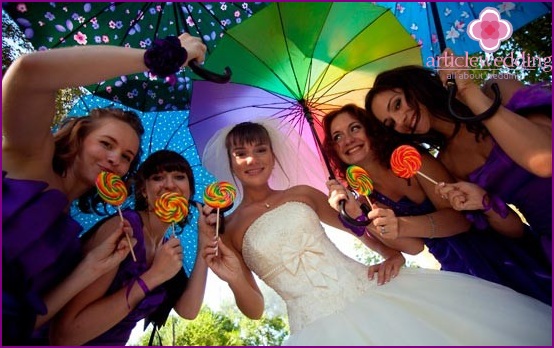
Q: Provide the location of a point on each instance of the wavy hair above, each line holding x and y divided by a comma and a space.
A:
68, 142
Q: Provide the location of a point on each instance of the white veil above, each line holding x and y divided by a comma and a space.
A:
295, 162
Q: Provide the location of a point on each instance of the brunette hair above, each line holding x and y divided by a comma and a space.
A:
423, 86
157, 162
69, 139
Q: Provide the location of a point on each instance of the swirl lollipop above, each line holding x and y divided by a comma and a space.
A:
405, 162
220, 196
171, 207
359, 180
113, 191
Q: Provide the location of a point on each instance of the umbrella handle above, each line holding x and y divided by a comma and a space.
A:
209, 75
349, 219
453, 89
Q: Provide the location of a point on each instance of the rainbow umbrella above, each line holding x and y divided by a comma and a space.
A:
296, 62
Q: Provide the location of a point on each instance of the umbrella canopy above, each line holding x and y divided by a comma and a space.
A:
304, 61
130, 24
437, 25
164, 130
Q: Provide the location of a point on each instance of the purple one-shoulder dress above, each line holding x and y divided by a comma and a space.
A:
128, 271
40, 247
504, 178
515, 263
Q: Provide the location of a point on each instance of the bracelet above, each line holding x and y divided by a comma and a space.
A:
358, 230
165, 57
141, 284
433, 226
496, 204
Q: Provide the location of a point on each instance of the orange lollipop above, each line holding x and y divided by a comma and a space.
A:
405, 162
113, 191
220, 195
171, 207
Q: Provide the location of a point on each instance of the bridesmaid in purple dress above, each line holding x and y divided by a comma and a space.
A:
43, 173
150, 287
508, 154
409, 214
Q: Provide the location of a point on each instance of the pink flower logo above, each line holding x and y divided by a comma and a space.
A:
489, 29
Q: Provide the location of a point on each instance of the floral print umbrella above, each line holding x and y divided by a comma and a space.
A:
437, 25
130, 24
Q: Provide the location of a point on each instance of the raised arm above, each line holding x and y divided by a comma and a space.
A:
527, 140
31, 82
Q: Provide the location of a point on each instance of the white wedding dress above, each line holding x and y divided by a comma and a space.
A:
330, 300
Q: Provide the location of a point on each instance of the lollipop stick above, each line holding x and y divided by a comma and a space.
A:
368, 202
217, 229
426, 177
127, 236
173, 230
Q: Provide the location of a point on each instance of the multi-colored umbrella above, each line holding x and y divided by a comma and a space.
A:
437, 25
164, 130
304, 60
130, 24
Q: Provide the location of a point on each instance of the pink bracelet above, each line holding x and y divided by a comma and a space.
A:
141, 284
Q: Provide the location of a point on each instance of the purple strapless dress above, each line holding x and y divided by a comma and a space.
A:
128, 271
40, 247
504, 178
515, 263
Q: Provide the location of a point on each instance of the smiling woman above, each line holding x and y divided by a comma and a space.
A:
46, 268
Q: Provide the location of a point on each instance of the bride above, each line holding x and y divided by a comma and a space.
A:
332, 299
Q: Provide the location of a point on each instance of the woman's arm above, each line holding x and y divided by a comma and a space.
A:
85, 317
527, 140
230, 267
466, 196
190, 302
30, 85
99, 260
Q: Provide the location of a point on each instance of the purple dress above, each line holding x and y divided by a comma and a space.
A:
128, 271
40, 247
485, 253
504, 178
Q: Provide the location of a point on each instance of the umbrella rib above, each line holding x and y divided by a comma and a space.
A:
288, 51
342, 49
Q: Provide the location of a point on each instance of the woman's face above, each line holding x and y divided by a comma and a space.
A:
391, 109
252, 163
349, 137
111, 147
160, 183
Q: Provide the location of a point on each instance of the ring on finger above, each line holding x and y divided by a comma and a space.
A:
383, 230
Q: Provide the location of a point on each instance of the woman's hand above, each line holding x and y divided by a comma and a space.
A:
387, 269
222, 261
454, 69
194, 46
168, 260
337, 193
111, 251
462, 195
385, 222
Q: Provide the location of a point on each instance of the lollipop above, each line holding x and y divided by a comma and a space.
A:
359, 180
219, 195
406, 162
171, 207
111, 188
113, 191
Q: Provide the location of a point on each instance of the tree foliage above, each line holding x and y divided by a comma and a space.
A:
227, 327
14, 44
